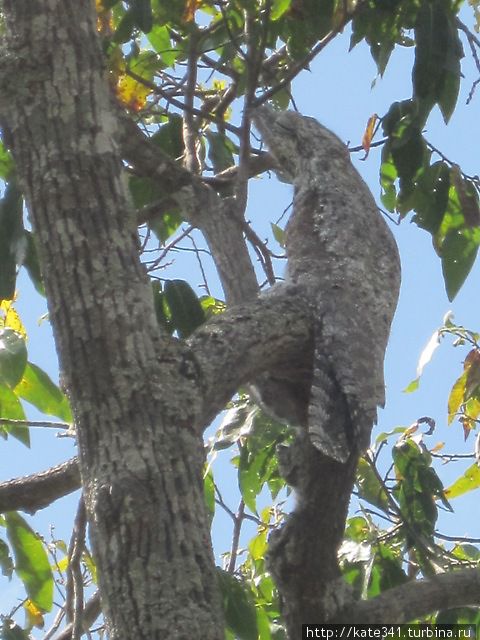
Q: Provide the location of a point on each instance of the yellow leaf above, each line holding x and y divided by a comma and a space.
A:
10, 318
104, 19
131, 93
62, 565
34, 615
456, 397
469, 481
472, 409
438, 447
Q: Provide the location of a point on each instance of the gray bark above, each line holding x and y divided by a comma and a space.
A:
140, 398
134, 392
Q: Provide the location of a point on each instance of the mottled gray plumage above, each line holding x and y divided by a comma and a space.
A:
341, 251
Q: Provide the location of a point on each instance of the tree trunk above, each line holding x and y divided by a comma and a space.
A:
132, 390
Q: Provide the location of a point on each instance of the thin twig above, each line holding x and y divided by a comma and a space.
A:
262, 252
442, 536
237, 527
74, 604
200, 264
173, 243
44, 424
474, 44
189, 126
55, 624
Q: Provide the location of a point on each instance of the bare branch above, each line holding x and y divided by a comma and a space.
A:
74, 605
237, 527
190, 133
416, 599
201, 206
39, 490
269, 332
90, 613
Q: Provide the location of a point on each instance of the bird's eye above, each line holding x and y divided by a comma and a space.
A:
286, 128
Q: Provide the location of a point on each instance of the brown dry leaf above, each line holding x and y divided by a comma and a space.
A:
467, 198
190, 7
369, 133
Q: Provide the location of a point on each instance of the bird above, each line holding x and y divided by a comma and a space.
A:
343, 256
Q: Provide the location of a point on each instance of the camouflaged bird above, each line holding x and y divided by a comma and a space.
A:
342, 254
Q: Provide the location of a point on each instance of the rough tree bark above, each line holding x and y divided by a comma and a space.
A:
141, 399
133, 393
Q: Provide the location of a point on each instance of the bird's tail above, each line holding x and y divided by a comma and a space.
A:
329, 420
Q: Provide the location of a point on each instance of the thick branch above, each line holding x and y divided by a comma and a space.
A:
272, 332
416, 599
39, 490
201, 206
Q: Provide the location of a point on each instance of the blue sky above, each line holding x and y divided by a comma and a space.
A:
338, 92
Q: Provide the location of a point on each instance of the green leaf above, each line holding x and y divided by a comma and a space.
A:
161, 309
389, 566
436, 71
209, 493
412, 386
6, 162
369, 487
11, 409
169, 137
159, 38
251, 477
37, 388
212, 306
278, 234
279, 7
263, 624
258, 545
357, 529
220, 151
125, 28
258, 462
31, 561
6, 562
12, 241
431, 197
417, 489
382, 25
469, 481
185, 308
240, 614
142, 14
458, 253
13, 357
430, 33
165, 225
